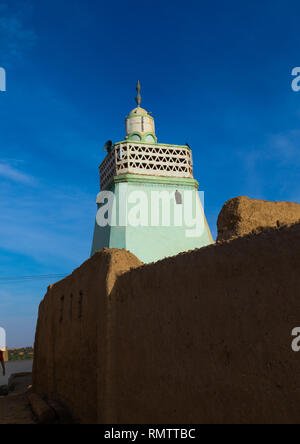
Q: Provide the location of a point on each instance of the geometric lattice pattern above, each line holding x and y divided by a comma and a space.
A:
154, 160
107, 169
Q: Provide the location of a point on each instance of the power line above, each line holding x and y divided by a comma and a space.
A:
32, 278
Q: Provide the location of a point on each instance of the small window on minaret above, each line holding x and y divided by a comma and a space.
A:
135, 137
178, 197
149, 138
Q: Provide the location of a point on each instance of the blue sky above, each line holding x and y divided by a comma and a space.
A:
215, 74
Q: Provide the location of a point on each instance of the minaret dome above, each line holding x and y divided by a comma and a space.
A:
139, 123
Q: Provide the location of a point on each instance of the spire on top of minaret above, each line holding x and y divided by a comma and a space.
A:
138, 98
139, 123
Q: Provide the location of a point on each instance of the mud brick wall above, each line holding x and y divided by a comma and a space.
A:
202, 337
241, 216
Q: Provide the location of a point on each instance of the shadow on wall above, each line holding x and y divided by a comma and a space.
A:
202, 337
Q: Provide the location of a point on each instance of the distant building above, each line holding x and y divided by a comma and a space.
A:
3, 347
5, 353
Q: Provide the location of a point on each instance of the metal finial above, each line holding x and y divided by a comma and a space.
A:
138, 98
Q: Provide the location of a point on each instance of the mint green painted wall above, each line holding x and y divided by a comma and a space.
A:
109, 236
149, 243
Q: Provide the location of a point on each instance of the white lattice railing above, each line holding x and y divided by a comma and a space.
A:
108, 169
154, 160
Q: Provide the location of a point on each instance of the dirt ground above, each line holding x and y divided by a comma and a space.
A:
15, 408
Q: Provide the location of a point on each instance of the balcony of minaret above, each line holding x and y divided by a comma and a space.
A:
143, 159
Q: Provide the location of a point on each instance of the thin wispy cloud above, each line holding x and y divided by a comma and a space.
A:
285, 147
16, 35
50, 226
279, 153
10, 173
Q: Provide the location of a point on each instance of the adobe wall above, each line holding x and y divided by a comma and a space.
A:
205, 337
72, 336
241, 215
202, 337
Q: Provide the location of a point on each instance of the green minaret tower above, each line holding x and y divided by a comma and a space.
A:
149, 202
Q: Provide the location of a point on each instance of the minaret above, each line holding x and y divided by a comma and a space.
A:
149, 202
